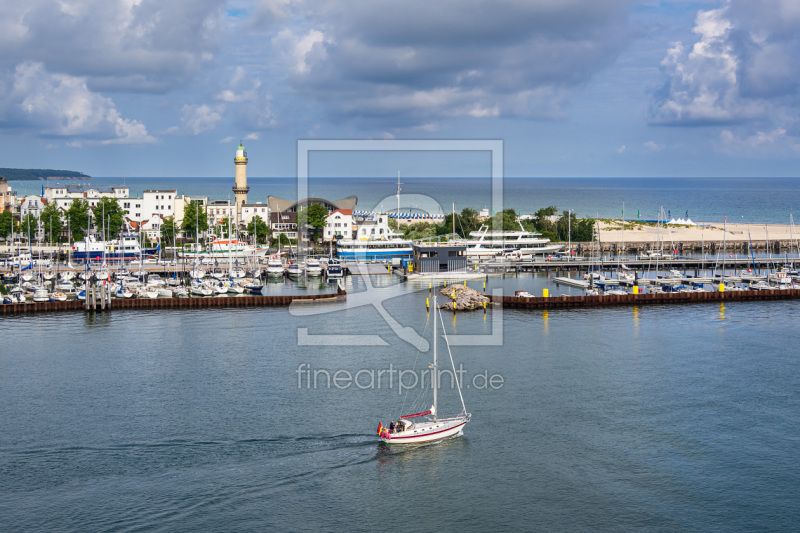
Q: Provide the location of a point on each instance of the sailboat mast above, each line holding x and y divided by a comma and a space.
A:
724, 232
398, 194
435, 369
791, 234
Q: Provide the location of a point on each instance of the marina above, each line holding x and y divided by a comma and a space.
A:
546, 248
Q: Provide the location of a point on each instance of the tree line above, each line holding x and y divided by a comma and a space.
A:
557, 227
28, 174
108, 216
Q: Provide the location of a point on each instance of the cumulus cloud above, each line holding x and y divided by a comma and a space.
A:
773, 143
200, 118
410, 62
743, 68
139, 45
247, 100
654, 146
59, 105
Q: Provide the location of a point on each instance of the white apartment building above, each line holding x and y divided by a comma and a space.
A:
340, 225
31, 205
218, 210
63, 195
374, 227
251, 210
159, 202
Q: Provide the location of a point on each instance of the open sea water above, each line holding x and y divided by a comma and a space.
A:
658, 418
748, 200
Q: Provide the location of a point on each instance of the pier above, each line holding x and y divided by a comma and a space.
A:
176, 303
565, 302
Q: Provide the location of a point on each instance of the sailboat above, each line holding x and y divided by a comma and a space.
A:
427, 426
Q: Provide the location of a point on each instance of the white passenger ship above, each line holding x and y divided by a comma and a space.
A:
487, 243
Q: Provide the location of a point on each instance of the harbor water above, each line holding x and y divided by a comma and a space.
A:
664, 418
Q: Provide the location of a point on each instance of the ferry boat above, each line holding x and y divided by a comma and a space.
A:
125, 248
223, 249
372, 250
487, 243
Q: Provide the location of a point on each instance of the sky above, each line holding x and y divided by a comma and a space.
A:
573, 88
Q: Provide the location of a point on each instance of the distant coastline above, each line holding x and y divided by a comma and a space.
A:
33, 174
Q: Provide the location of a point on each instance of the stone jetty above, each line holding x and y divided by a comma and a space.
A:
462, 298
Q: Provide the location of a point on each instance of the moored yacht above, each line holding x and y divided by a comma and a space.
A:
489, 243
274, 267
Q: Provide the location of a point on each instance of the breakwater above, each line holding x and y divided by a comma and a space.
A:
563, 302
175, 303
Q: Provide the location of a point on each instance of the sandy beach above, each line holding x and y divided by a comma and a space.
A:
634, 232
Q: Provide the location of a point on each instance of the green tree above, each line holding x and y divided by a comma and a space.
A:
109, 214
505, 220
259, 229
168, 230
282, 239
314, 215
78, 218
52, 221
195, 220
7, 222
419, 230
584, 232
29, 227
466, 222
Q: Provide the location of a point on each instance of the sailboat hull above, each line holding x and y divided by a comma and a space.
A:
428, 431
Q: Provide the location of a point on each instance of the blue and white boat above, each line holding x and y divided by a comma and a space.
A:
333, 270
374, 250
125, 248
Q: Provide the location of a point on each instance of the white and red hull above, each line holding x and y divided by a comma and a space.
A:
428, 431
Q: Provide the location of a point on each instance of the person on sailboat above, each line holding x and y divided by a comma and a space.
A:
391, 427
